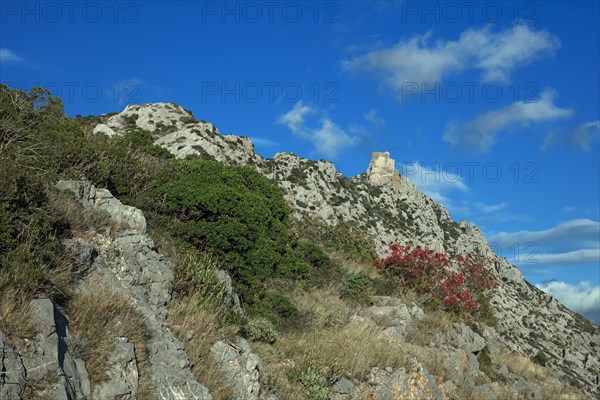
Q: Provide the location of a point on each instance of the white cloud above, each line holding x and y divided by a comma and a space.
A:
294, 118
582, 297
8, 56
329, 139
583, 231
584, 134
570, 257
373, 117
490, 208
480, 133
418, 60
572, 242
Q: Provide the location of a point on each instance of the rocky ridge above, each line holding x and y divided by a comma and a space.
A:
391, 210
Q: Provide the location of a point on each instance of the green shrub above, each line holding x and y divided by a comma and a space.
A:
318, 267
540, 359
487, 367
274, 306
261, 329
357, 287
314, 383
232, 210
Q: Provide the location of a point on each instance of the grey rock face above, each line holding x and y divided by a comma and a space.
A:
12, 372
45, 363
416, 384
487, 391
526, 390
126, 262
177, 131
343, 386
241, 367
122, 373
463, 337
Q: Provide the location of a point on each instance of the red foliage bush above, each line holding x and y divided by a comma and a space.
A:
426, 271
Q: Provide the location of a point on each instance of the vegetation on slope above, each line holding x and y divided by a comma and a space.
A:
300, 282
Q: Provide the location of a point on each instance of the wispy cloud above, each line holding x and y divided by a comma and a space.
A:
581, 136
584, 135
480, 134
8, 56
373, 117
419, 60
572, 242
582, 297
580, 256
490, 208
327, 136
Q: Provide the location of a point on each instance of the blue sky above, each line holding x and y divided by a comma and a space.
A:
492, 108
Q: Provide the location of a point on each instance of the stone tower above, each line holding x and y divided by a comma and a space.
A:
382, 170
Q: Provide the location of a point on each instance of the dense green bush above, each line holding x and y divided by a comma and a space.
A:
274, 306
126, 164
233, 210
357, 287
540, 359
30, 250
318, 266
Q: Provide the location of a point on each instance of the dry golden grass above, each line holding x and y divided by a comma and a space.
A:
334, 344
352, 350
197, 324
524, 367
353, 263
560, 391
95, 320
323, 306
15, 316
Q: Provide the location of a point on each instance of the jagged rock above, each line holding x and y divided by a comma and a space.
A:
492, 340
396, 319
416, 384
417, 312
127, 263
460, 366
47, 360
12, 372
487, 391
122, 373
82, 254
177, 131
463, 337
343, 386
232, 296
240, 365
525, 390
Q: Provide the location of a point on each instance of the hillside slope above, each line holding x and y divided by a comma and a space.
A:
129, 270
530, 321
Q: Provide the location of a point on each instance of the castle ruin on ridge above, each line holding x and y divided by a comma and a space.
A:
382, 170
